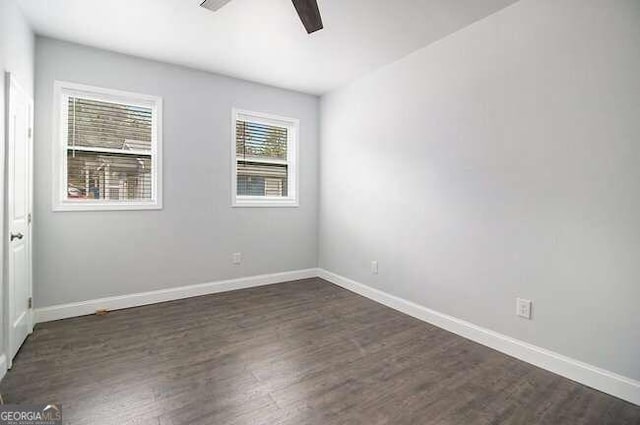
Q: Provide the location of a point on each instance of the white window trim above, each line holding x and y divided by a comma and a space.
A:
59, 156
293, 128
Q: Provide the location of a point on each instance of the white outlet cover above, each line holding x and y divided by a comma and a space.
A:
523, 308
236, 258
374, 267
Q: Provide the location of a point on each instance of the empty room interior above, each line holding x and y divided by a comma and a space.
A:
300, 212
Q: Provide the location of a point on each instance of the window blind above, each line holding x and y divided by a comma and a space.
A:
109, 151
261, 156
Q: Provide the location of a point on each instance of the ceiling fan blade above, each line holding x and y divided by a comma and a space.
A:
213, 5
309, 14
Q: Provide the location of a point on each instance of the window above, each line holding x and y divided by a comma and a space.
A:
108, 155
264, 160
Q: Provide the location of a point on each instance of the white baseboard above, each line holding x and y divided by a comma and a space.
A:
63, 311
603, 380
592, 376
3, 366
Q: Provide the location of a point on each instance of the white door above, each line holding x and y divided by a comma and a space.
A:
18, 195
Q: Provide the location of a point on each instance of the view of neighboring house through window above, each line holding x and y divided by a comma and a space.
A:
111, 149
265, 166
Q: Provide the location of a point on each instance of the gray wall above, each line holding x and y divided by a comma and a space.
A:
500, 162
87, 255
16, 56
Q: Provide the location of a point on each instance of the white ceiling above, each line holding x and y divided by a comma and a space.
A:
260, 40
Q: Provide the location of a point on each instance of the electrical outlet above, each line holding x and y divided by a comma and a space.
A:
374, 267
236, 258
523, 308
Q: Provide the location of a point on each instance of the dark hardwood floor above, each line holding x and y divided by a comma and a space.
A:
304, 352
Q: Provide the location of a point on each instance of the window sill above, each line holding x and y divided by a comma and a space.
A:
106, 206
265, 203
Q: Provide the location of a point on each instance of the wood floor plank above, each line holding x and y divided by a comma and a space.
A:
303, 352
